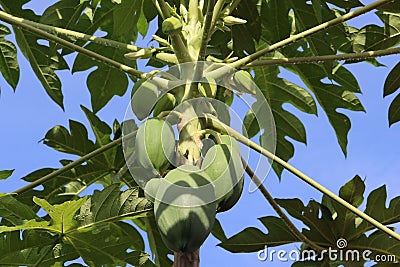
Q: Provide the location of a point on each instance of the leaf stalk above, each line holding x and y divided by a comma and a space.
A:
244, 140
278, 209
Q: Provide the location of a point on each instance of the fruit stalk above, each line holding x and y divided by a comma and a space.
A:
187, 259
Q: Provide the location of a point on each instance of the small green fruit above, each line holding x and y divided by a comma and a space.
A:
155, 144
166, 103
223, 164
144, 98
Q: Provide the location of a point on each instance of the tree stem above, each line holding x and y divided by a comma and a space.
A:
244, 140
75, 35
318, 59
75, 163
187, 259
178, 43
278, 209
206, 30
10, 19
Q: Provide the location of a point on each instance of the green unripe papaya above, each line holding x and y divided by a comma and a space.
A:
223, 164
185, 208
144, 98
154, 144
171, 26
166, 103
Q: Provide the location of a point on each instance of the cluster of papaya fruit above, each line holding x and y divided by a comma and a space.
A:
187, 197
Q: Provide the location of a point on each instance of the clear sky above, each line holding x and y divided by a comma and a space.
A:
27, 114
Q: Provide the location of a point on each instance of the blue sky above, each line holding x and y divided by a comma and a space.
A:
28, 114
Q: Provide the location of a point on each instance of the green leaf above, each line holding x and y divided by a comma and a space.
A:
14, 211
63, 14
128, 19
325, 224
8, 58
278, 91
252, 239
62, 217
394, 110
102, 132
95, 233
66, 186
373, 37
276, 14
110, 204
392, 82
43, 59
376, 208
32, 248
100, 216
244, 36
104, 83
75, 141
5, 174
159, 250
250, 124
218, 231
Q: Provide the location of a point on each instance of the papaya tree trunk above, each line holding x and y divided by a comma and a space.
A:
187, 259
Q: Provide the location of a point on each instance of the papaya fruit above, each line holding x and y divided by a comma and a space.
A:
185, 208
144, 98
166, 103
171, 26
154, 145
223, 164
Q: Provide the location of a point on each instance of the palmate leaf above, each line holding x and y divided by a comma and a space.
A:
129, 20
104, 82
64, 13
76, 141
252, 239
8, 58
327, 223
43, 59
374, 37
277, 92
96, 233
158, 249
66, 186
32, 248
13, 211
103, 169
338, 91
332, 84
